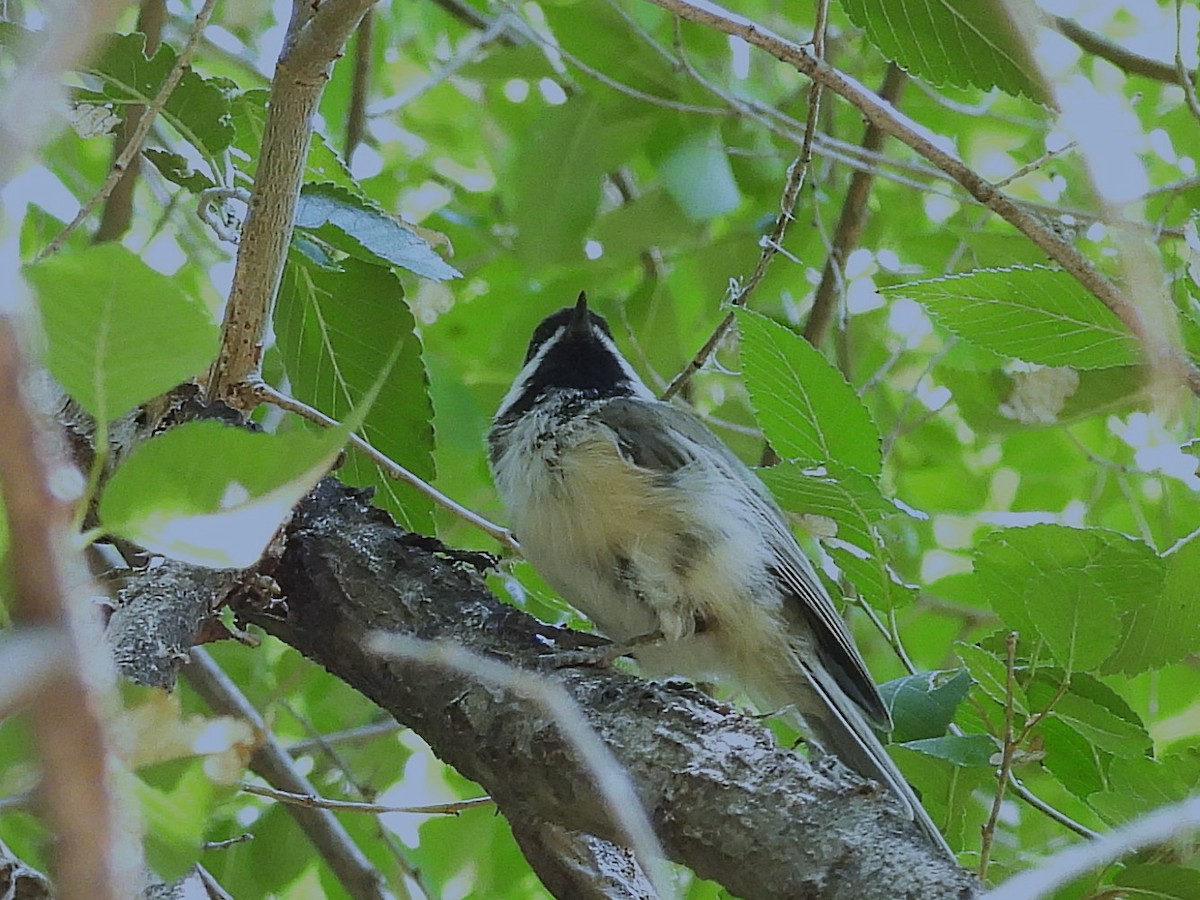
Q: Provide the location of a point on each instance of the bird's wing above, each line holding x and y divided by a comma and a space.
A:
664, 438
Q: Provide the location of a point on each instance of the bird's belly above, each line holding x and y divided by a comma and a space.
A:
640, 551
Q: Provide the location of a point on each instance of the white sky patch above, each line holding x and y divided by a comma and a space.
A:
477, 178
164, 254
938, 564
516, 90
908, 320
366, 162
593, 249
860, 262
37, 185
424, 199
1155, 450
739, 58
939, 208
1109, 135
861, 296
552, 92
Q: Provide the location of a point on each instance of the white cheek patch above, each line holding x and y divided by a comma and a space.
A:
520, 383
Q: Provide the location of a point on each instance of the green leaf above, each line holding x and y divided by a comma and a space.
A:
960, 750
1159, 881
1163, 627
557, 173
381, 237
1138, 784
1078, 589
213, 495
922, 705
697, 175
119, 332
1037, 314
805, 406
198, 108
990, 673
962, 42
856, 507
336, 328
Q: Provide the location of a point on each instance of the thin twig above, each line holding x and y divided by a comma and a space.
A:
850, 223
1009, 750
358, 735
264, 393
271, 762
1159, 350
138, 136
1181, 72
773, 242
312, 801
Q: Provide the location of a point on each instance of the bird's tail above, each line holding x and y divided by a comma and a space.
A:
837, 725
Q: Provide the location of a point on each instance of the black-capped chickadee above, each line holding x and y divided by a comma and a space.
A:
644, 521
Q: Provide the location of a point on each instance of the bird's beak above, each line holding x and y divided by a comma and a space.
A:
580, 321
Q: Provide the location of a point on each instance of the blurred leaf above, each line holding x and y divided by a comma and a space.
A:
119, 333
176, 819
1036, 314
1159, 880
1138, 784
1078, 589
213, 495
964, 750
1164, 627
697, 175
198, 108
803, 403
923, 705
336, 329
556, 176
381, 237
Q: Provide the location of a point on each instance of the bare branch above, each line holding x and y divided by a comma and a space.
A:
312, 801
118, 210
356, 114
313, 41
272, 763
1122, 57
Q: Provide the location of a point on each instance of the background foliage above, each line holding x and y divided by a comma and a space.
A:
977, 444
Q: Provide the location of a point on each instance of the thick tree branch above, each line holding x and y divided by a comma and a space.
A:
722, 797
314, 40
1122, 57
891, 121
